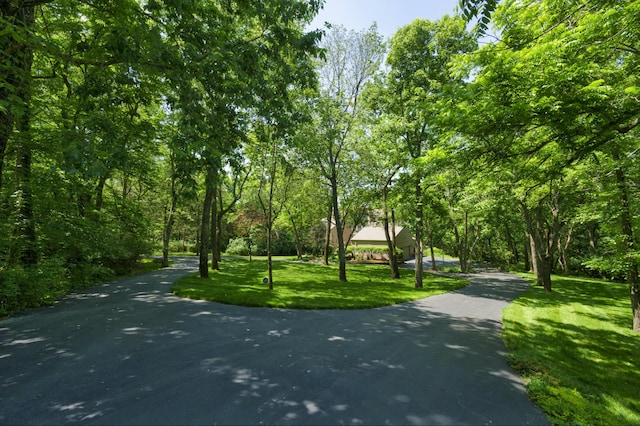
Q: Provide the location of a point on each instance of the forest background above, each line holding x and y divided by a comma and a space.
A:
214, 126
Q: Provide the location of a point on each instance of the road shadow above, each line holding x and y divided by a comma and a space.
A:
129, 352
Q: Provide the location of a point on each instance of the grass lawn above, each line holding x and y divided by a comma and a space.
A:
576, 351
310, 286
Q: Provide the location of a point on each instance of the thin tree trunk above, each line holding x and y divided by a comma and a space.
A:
15, 73
464, 249
203, 266
269, 256
627, 232
24, 250
166, 236
168, 225
198, 229
419, 235
219, 215
434, 265
99, 192
393, 260
270, 220
541, 246
342, 276
6, 128
327, 241
513, 247
215, 246
530, 251
563, 248
297, 234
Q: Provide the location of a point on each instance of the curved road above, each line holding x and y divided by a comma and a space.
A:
129, 352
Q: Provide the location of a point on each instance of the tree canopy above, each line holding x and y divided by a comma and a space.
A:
134, 127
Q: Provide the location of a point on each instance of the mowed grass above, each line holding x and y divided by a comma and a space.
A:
576, 351
310, 286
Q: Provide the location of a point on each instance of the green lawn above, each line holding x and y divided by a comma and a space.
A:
310, 286
576, 351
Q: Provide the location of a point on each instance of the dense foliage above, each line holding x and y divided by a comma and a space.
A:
112, 117
134, 127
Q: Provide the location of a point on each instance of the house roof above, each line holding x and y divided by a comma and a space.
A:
373, 233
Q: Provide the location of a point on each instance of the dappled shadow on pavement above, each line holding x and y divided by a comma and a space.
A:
129, 352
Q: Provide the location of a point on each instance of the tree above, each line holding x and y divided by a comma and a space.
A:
228, 192
305, 208
558, 87
419, 77
382, 159
351, 59
219, 92
274, 176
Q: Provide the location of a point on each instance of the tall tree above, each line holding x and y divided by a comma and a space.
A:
251, 43
561, 84
418, 79
351, 59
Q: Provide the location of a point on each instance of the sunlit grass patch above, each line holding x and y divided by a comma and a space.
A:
576, 350
310, 286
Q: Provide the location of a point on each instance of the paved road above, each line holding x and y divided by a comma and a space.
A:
129, 352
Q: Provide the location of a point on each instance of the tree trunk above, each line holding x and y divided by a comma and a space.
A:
203, 266
270, 220
342, 261
99, 192
464, 248
393, 260
250, 243
215, 244
543, 241
168, 225
393, 240
327, 241
563, 248
530, 248
219, 238
297, 234
16, 70
432, 253
513, 248
24, 250
419, 235
629, 244
269, 258
6, 128
166, 237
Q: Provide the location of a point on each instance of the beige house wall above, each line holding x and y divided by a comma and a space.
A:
404, 241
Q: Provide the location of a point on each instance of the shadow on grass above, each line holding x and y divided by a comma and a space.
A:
576, 348
309, 286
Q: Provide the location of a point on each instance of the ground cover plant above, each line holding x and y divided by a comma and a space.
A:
310, 286
42, 286
576, 350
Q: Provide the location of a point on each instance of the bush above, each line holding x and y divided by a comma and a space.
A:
372, 253
238, 247
23, 288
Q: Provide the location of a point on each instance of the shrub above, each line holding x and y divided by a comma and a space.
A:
22, 288
238, 246
375, 253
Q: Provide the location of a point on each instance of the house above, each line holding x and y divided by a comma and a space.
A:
373, 236
346, 236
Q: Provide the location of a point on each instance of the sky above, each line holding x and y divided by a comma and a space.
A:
389, 14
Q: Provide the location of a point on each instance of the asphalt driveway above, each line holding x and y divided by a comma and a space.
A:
129, 352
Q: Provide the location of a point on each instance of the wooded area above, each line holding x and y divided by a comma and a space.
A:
134, 127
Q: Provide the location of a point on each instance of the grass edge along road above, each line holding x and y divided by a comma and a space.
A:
310, 286
576, 351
